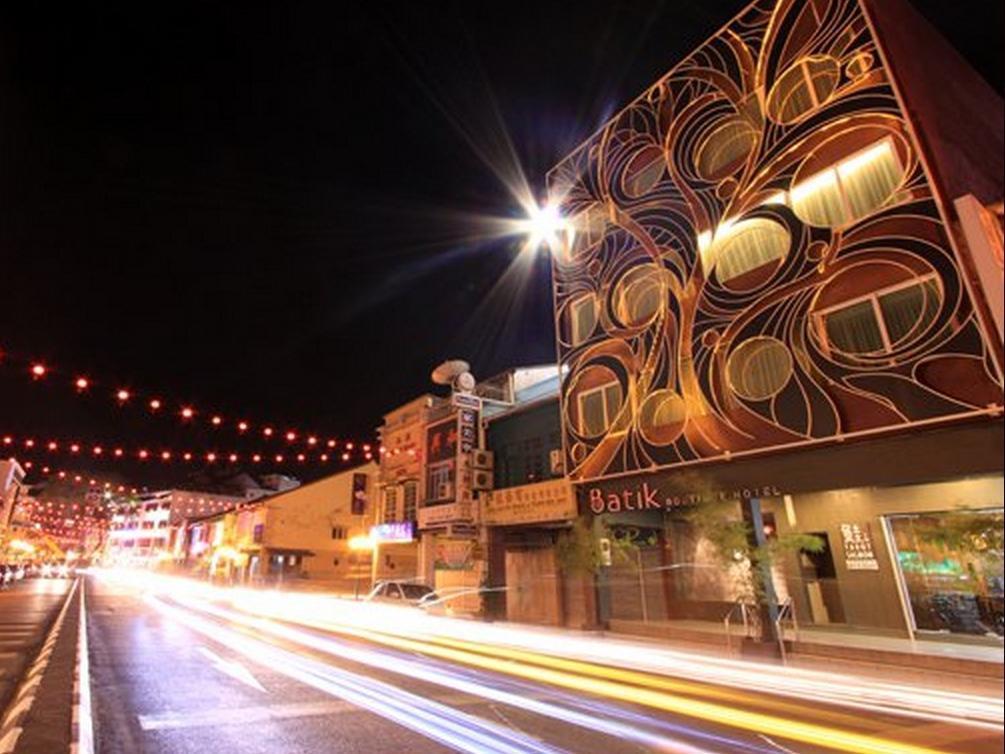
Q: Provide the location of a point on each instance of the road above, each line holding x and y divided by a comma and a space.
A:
176, 672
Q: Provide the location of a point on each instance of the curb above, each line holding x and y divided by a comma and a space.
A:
23, 699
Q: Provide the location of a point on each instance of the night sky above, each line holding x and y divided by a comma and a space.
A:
264, 211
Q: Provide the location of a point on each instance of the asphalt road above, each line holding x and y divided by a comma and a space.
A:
26, 609
172, 675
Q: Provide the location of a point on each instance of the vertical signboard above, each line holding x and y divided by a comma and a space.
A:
358, 494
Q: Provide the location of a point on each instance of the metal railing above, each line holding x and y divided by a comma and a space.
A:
786, 608
743, 608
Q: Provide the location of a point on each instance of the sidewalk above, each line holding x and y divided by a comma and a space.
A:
830, 648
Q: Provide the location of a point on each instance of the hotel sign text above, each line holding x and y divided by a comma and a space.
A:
645, 497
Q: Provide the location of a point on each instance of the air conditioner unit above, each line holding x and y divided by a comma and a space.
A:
481, 479
557, 460
481, 459
444, 491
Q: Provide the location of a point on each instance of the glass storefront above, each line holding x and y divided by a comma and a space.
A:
951, 568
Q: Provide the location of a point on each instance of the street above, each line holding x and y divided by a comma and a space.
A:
179, 673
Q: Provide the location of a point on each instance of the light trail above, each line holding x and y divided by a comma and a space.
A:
602, 667
423, 670
458, 730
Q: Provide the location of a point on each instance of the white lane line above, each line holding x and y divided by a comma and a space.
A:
241, 716
82, 741
262, 713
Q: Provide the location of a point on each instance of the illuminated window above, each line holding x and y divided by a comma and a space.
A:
644, 171
850, 190
582, 318
587, 228
759, 368
881, 321
639, 295
725, 150
410, 500
439, 481
741, 248
390, 504
598, 407
803, 88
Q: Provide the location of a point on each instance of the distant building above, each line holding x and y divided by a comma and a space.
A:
148, 527
303, 533
11, 488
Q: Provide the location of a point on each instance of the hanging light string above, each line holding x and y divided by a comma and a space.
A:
155, 405
330, 451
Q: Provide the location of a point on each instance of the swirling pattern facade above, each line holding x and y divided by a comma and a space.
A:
756, 257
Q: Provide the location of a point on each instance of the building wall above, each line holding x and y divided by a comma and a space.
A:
760, 258
522, 443
306, 518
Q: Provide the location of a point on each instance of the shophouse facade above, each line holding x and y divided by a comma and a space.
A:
782, 285
300, 535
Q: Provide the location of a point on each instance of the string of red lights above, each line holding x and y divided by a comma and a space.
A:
330, 451
156, 404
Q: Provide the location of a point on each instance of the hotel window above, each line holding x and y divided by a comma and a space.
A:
803, 87
725, 149
598, 407
390, 503
644, 171
410, 500
338, 532
587, 229
582, 318
880, 321
438, 481
851, 189
639, 295
746, 246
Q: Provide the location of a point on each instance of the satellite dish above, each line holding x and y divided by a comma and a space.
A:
448, 371
464, 382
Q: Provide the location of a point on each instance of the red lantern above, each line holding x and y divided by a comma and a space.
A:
187, 412
122, 395
155, 404
38, 371
81, 383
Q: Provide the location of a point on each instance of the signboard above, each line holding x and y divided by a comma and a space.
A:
395, 531
453, 554
440, 515
358, 494
553, 500
650, 495
467, 429
858, 551
466, 400
441, 441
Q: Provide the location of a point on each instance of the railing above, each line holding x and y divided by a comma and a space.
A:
743, 608
785, 609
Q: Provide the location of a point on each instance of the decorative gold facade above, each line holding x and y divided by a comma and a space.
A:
757, 257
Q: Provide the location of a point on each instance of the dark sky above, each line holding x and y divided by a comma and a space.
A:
259, 209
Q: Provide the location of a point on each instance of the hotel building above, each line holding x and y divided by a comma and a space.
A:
782, 286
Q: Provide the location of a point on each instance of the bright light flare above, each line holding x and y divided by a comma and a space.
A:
543, 225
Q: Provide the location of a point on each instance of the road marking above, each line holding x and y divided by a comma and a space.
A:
240, 716
233, 668
82, 719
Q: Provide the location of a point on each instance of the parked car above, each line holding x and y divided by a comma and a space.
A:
401, 592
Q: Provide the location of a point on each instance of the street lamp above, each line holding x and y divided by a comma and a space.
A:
363, 543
